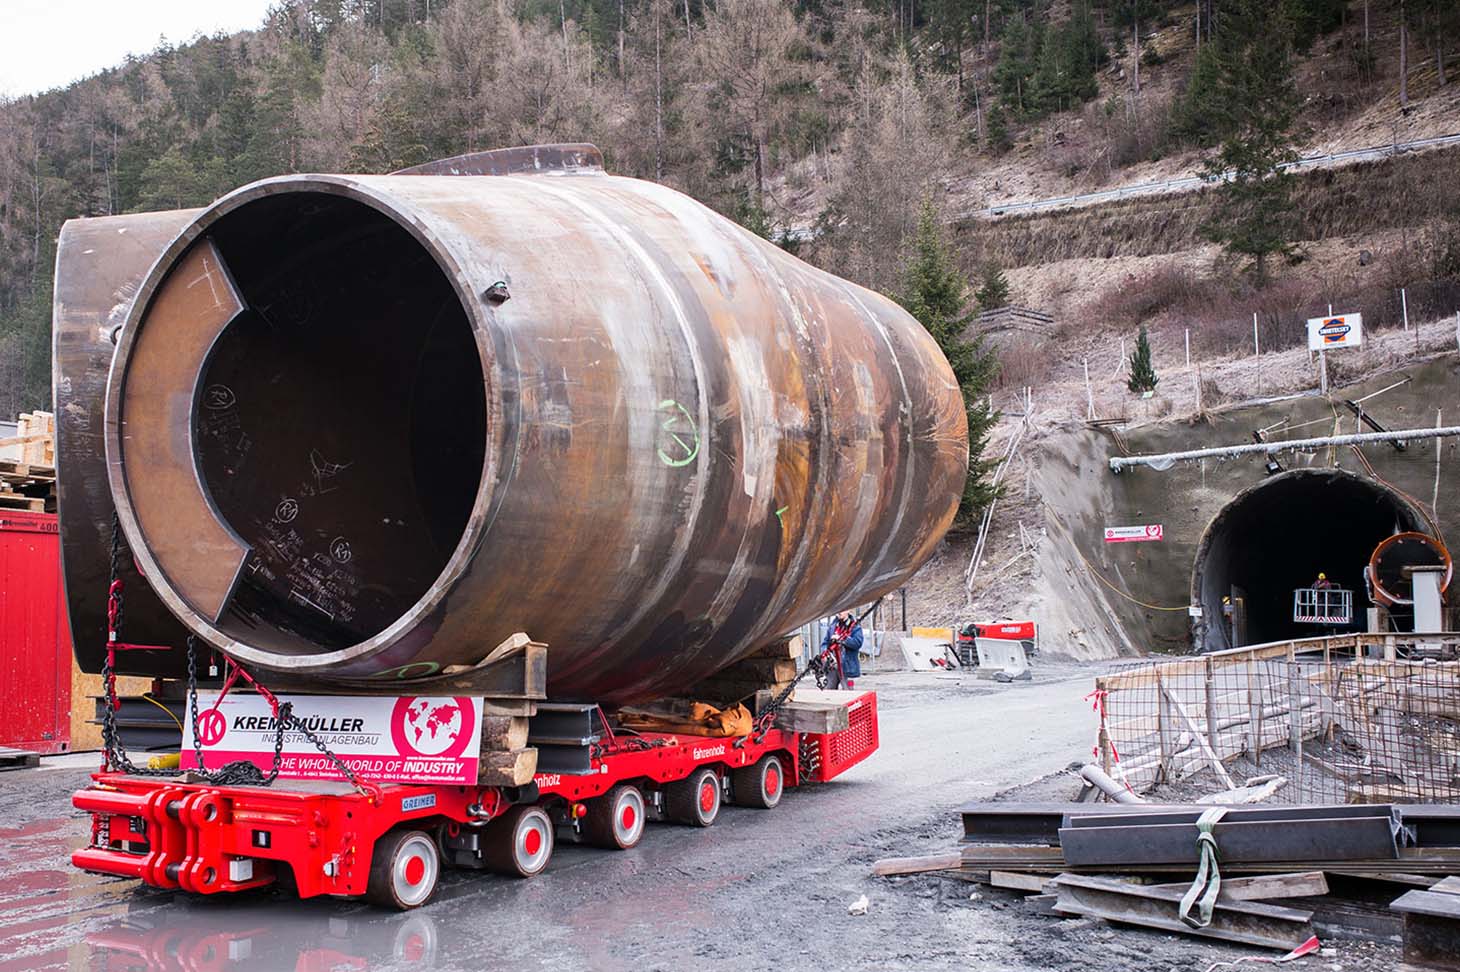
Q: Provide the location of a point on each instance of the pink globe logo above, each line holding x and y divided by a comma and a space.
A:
432, 726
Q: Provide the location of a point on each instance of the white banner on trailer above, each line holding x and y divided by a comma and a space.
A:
415, 739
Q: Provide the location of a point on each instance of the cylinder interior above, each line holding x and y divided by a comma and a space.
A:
340, 421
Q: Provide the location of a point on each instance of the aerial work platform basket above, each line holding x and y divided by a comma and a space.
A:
1323, 605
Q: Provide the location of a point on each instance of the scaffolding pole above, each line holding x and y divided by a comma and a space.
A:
1166, 459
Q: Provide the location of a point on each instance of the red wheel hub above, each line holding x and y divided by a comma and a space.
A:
532, 842
707, 796
628, 817
772, 780
415, 870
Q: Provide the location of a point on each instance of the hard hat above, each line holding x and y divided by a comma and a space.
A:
1322, 576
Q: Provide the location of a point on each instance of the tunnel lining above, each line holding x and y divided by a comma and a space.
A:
1274, 537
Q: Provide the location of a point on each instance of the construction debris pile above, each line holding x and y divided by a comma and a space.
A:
1274, 877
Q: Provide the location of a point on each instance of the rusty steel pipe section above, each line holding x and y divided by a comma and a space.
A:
100, 264
368, 426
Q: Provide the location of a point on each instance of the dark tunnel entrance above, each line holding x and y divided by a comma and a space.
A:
1277, 536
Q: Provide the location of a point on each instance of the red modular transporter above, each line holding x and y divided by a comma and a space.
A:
390, 842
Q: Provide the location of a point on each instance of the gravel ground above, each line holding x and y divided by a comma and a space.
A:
758, 890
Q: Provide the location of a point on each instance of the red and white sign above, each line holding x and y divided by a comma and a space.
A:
1133, 534
415, 739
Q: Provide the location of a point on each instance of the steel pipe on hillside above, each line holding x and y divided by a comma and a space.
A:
1166, 459
369, 426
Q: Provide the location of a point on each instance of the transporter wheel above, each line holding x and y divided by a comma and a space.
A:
616, 819
694, 801
404, 870
520, 842
760, 785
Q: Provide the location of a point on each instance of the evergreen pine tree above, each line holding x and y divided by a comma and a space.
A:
1254, 76
1142, 374
993, 291
936, 294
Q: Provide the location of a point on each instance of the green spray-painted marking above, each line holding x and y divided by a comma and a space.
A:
779, 512
672, 425
418, 669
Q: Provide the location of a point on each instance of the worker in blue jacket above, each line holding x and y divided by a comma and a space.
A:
846, 632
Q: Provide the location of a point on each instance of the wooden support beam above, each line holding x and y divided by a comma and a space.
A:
816, 717
1210, 754
1302, 884
507, 769
889, 866
503, 733
1019, 881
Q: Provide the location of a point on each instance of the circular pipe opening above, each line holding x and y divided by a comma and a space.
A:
341, 420
1276, 537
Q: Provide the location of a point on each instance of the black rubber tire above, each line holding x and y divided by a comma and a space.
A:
405, 870
689, 801
760, 785
508, 848
615, 821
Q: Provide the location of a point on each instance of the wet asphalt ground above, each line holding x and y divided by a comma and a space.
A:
759, 889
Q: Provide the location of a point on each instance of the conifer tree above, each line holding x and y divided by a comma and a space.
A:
936, 293
993, 291
1252, 74
1142, 374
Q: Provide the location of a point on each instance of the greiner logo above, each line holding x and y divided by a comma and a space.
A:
712, 751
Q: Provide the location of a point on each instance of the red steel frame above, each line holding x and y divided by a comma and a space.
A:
210, 839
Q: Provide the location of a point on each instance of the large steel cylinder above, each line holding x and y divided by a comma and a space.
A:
369, 424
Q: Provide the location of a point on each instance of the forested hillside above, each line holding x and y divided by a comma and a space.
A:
838, 117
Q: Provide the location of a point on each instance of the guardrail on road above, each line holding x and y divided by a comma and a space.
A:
1192, 182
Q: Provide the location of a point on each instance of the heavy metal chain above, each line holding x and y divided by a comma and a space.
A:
115, 753
767, 717
240, 772
822, 664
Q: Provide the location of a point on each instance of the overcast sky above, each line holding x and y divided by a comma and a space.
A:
50, 43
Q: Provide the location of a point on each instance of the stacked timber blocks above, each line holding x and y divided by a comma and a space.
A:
754, 679
506, 759
759, 679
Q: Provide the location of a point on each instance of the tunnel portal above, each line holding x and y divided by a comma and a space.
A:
1277, 536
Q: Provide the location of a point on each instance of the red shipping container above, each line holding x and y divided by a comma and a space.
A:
35, 646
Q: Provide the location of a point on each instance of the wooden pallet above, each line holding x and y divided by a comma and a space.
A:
13, 470
15, 501
18, 758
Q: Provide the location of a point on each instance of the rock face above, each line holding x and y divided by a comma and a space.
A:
369, 426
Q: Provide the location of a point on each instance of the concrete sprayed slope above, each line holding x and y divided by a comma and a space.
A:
369, 425
1232, 524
